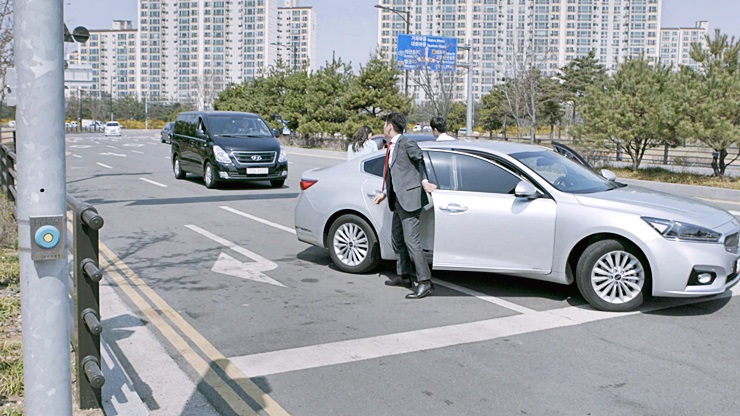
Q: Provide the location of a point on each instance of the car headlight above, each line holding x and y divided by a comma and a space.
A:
283, 156
681, 231
221, 155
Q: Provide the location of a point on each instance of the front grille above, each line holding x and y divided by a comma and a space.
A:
731, 243
255, 158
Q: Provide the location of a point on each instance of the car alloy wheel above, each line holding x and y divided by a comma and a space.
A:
179, 173
353, 246
612, 276
209, 176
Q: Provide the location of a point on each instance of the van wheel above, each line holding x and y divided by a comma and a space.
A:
177, 168
278, 183
612, 275
353, 246
209, 176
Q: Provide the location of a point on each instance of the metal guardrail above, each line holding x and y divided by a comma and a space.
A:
8, 175
85, 301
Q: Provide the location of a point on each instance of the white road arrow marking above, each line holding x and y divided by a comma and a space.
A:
112, 154
233, 267
230, 266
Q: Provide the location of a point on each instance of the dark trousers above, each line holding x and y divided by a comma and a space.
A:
407, 244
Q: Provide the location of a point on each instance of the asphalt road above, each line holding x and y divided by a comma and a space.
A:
224, 281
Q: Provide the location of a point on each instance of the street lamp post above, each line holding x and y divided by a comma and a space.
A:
407, 19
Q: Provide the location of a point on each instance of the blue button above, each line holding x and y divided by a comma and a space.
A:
47, 236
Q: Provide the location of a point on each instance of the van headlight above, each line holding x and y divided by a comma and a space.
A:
283, 156
221, 156
681, 231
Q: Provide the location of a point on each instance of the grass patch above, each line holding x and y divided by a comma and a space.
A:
686, 178
11, 347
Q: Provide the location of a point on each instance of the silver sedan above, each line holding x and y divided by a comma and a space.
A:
527, 211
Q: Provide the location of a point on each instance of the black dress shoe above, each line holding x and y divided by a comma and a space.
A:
424, 288
399, 281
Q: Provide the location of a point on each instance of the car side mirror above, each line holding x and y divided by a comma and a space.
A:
526, 190
199, 133
609, 175
276, 132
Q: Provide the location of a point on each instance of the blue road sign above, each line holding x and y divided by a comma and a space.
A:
421, 52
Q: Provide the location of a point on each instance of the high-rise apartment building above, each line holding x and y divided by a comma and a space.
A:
188, 51
297, 35
675, 44
113, 56
506, 34
191, 49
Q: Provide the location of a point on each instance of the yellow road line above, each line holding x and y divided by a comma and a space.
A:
722, 201
235, 374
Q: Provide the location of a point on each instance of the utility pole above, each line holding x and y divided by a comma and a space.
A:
146, 113
469, 118
41, 209
405, 15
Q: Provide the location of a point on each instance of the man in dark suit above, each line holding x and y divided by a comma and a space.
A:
406, 185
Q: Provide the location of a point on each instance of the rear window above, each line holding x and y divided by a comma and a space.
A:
112, 124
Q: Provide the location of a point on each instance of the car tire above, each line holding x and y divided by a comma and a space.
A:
278, 183
177, 168
353, 245
209, 176
612, 275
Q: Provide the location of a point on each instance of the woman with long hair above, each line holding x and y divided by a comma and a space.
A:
360, 144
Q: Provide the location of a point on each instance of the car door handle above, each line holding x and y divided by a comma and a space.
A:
454, 208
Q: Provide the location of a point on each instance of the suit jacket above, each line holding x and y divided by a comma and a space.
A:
405, 174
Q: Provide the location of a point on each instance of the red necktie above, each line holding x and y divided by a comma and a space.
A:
387, 160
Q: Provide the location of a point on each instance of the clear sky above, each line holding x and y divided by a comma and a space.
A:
348, 28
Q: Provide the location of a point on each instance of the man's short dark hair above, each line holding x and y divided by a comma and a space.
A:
398, 121
439, 124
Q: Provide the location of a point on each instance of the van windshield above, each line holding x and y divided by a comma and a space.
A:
238, 126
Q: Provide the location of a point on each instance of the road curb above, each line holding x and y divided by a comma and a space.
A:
688, 190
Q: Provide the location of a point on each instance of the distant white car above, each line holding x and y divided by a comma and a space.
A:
113, 128
417, 128
426, 129
11, 123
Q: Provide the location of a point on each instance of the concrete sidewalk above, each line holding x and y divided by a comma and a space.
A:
141, 377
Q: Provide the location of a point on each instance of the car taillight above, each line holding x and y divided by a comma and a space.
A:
307, 183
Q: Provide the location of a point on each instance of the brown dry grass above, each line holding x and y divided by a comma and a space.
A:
686, 178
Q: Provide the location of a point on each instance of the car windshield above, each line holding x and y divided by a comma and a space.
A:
564, 174
113, 124
238, 126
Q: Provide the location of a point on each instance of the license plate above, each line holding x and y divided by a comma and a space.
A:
257, 171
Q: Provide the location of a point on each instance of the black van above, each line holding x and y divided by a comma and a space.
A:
227, 146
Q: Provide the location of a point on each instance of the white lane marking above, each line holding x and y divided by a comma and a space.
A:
136, 151
80, 146
112, 147
104, 165
168, 157
133, 145
230, 266
76, 155
112, 154
262, 264
484, 297
258, 219
161, 185
323, 157
342, 352
735, 212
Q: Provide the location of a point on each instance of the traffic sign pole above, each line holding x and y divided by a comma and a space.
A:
41, 209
